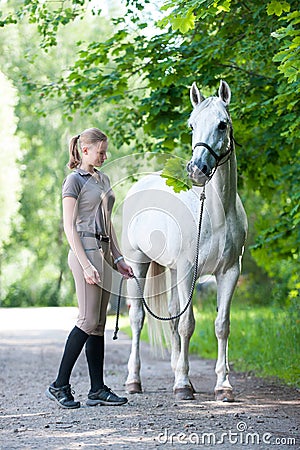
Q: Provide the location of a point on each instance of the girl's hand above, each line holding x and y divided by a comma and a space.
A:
91, 275
124, 269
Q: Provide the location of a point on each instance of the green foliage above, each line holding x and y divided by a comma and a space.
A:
175, 173
23, 294
185, 13
34, 267
144, 74
48, 16
277, 7
265, 106
9, 185
182, 23
262, 340
288, 56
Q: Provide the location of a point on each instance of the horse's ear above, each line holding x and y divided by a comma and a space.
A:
195, 95
224, 92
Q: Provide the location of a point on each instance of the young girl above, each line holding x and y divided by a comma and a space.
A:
87, 206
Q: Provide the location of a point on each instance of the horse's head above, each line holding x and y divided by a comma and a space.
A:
212, 133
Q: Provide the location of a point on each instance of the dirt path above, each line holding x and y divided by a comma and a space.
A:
265, 414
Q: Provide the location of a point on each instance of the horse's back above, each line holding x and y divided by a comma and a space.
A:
155, 219
161, 225
152, 190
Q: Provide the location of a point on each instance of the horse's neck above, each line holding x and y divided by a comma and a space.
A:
224, 184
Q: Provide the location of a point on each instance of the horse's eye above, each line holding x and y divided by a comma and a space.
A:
222, 126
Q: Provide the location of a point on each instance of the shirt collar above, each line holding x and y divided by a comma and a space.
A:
84, 172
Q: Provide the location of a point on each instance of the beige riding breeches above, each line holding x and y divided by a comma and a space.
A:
92, 299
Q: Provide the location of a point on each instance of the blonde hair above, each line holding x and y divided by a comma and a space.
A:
90, 136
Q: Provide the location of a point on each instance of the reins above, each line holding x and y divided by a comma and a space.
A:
176, 316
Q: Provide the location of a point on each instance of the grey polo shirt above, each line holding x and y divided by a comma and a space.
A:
95, 200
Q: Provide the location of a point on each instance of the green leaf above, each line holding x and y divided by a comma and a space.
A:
184, 23
277, 7
224, 6
176, 175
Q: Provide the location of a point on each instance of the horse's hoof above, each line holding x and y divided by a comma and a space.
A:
192, 387
134, 388
224, 395
184, 393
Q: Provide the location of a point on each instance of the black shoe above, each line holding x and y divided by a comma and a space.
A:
62, 396
105, 396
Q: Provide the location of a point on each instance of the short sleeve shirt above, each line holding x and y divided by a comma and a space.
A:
95, 200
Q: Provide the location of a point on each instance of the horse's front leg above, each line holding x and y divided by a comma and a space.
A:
182, 387
136, 316
226, 284
174, 310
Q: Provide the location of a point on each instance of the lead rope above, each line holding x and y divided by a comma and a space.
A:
115, 336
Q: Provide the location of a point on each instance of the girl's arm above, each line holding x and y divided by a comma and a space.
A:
114, 246
122, 267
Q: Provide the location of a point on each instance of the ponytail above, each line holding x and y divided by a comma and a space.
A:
75, 158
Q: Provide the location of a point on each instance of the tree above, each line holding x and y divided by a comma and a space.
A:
229, 40
34, 247
146, 76
10, 152
9, 180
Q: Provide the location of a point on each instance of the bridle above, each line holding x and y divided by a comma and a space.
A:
217, 157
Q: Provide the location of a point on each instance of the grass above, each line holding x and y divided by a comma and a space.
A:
263, 340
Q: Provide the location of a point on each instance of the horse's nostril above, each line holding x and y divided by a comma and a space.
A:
204, 169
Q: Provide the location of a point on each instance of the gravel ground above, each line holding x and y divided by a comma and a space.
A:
265, 414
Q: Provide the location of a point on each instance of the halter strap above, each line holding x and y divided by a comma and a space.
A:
218, 158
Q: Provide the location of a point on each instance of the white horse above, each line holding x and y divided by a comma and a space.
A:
160, 229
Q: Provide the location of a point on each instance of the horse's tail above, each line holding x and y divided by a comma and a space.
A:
156, 296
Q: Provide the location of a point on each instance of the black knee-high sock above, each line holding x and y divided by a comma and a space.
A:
94, 350
74, 344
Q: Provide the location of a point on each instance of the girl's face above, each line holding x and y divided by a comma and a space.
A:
96, 154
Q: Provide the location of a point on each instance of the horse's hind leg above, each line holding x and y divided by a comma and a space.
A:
136, 316
226, 284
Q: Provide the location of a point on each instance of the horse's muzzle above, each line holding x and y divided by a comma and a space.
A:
198, 176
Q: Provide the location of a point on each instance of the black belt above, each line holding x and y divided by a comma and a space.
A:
99, 237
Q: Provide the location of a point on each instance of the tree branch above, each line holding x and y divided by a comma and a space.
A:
249, 72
